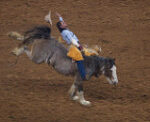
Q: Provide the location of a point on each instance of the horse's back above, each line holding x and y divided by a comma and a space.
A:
44, 48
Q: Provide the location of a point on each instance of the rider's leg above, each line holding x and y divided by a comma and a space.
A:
81, 69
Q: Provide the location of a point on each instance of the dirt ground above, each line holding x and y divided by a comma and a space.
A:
36, 93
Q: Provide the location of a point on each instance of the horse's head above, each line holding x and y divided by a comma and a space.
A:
109, 70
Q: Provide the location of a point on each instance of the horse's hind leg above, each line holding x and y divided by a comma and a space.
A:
28, 53
18, 50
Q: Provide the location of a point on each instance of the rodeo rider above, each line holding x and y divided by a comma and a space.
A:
71, 38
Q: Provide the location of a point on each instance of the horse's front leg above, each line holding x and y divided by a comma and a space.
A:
73, 89
79, 95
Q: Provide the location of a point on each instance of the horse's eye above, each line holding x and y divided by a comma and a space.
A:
108, 73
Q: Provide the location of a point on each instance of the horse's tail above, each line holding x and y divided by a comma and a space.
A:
29, 37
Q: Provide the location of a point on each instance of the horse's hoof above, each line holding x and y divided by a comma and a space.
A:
75, 98
85, 103
18, 51
15, 51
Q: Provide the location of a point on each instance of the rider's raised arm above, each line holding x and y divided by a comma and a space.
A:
60, 17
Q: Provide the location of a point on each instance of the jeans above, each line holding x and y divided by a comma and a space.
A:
81, 69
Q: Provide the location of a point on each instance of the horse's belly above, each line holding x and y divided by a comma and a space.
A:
66, 67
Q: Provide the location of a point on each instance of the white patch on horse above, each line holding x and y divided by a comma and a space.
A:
114, 79
72, 90
82, 100
114, 74
108, 79
75, 98
102, 69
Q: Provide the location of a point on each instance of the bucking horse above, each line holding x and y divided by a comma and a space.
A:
46, 49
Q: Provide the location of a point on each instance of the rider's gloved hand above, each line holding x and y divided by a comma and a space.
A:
80, 48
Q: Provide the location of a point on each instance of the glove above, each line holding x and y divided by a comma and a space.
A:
80, 48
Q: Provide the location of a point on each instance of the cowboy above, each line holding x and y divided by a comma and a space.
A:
71, 38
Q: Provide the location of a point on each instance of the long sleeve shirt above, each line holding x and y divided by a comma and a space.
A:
69, 36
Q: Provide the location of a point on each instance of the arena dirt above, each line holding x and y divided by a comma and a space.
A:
36, 93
